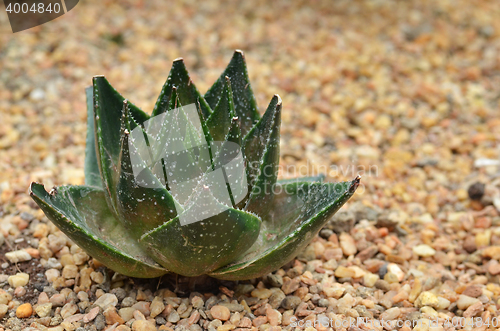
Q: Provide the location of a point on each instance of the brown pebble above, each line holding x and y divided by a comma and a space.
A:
395, 259
494, 267
258, 321
367, 253
226, 327
91, 315
138, 315
220, 312
43, 298
143, 307
473, 310
195, 317
333, 254
245, 323
74, 318
470, 244
473, 291
25, 310
19, 291
141, 296
58, 300
112, 316
290, 286
273, 316
382, 285
126, 328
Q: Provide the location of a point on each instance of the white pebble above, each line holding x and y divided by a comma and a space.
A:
424, 250
18, 256
19, 279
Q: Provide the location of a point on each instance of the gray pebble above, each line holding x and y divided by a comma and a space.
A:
212, 301
323, 303
195, 327
362, 311
276, 299
343, 221
119, 292
290, 302
27, 216
275, 280
100, 321
128, 302
326, 233
160, 320
173, 317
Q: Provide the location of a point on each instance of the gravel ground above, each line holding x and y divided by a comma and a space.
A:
404, 93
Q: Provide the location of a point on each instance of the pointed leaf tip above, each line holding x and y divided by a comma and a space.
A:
261, 147
298, 213
244, 101
355, 184
82, 214
279, 102
219, 122
187, 93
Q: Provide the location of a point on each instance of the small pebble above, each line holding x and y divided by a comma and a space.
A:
18, 256
143, 325
347, 244
3, 310
89, 317
465, 301
220, 312
43, 310
291, 302
106, 300
19, 291
25, 310
156, 307
424, 250
262, 293
19, 279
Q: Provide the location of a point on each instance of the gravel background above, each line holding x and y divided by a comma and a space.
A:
404, 93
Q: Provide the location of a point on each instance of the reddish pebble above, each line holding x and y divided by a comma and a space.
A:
35, 253
383, 232
91, 315
19, 291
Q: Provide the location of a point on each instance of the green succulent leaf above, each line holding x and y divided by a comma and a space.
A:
319, 178
261, 149
186, 91
143, 202
108, 117
219, 122
299, 211
211, 243
225, 151
91, 169
82, 214
244, 100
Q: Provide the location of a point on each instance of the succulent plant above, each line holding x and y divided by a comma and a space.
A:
149, 222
